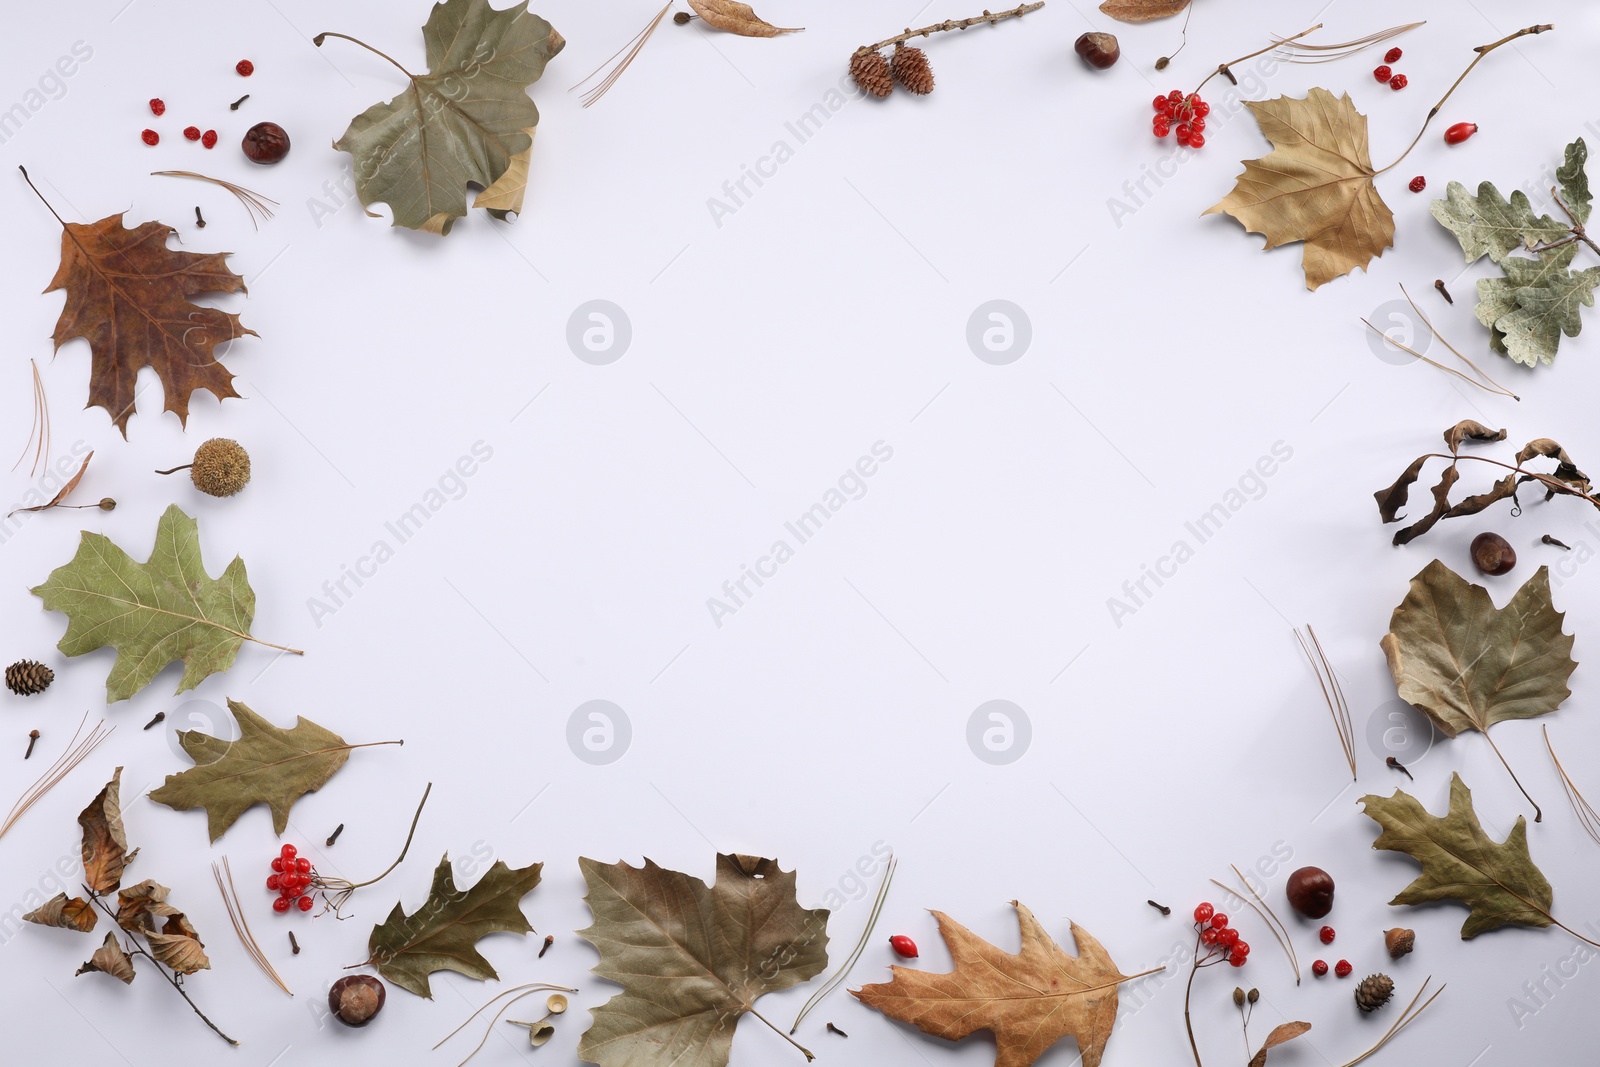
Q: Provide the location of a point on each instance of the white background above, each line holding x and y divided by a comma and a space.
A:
768, 353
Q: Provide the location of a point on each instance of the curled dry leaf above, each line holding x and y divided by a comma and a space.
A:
64, 914
1142, 10
734, 17
1279, 1035
110, 959
105, 842
143, 909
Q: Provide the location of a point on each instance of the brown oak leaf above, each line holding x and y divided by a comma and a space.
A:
128, 295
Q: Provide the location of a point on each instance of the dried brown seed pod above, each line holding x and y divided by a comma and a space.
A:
1310, 892
221, 467
1399, 941
1493, 554
356, 998
871, 72
1099, 50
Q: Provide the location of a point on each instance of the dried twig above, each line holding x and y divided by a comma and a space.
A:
951, 24
77, 751
1263, 909
1406, 1018
843, 972
1587, 816
1333, 693
632, 49
337, 891
176, 981
230, 900
254, 203
39, 432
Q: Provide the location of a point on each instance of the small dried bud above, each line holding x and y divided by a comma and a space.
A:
1253, 996
1238, 997
682, 18
107, 504
1161, 64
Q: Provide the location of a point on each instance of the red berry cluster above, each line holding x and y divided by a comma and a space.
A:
1182, 116
291, 876
1221, 940
1384, 73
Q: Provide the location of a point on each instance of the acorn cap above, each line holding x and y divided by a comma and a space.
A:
221, 467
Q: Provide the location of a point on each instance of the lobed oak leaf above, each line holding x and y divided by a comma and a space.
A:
1490, 225
1537, 301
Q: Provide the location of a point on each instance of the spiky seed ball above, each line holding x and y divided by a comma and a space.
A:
911, 69
25, 677
871, 72
221, 467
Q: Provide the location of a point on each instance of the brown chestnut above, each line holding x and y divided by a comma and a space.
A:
265, 142
356, 998
1493, 554
1099, 50
1310, 892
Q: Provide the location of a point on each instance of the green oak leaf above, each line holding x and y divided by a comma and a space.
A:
442, 935
1535, 303
1574, 181
266, 765
466, 121
1489, 224
1498, 882
152, 613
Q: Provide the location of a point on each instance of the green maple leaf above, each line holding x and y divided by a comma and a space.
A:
1498, 882
1535, 303
1574, 181
1489, 224
442, 935
465, 121
152, 613
266, 765
692, 958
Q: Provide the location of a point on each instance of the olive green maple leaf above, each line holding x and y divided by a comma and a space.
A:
1498, 882
1536, 302
153, 613
468, 120
443, 934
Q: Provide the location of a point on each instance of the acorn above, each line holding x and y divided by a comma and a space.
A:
1399, 941
1310, 892
356, 999
221, 467
1374, 992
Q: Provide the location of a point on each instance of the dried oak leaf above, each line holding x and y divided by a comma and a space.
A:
105, 842
1029, 1000
1498, 882
1490, 225
1468, 664
128, 296
465, 121
75, 914
143, 909
692, 958
734, 17
110, 959
1316, 186
1280, 1034
443, 934
1142, 10
152, 613
1535, 304
266, 765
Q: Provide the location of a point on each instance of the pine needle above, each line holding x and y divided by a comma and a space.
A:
254, 202
1275, 924
1333, 693
40, 429
632, 49
843, 972
77, 751
1300, 52
230, 899
1406, 1018
1587, 816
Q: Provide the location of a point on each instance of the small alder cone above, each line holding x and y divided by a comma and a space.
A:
871, 72
1399, 942
221, 467
25, 677
1374, 992
911, 69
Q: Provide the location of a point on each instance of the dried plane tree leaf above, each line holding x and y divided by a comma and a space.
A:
1028, 1000
1316, 186
1142, 10
692, 958
74, 914
734, 17
1280, 1035
110, 959
105, 842
504, 198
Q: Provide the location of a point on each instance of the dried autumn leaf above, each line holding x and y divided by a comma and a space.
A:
266, 765
128, 295
465, 121
110, 959
1490, 225
443, 934
75, 914
1279, 1035
1142, 10
143, 909
1498, 882
105, 842
734, 17
692, 958
504, 198
1535, 304
155, 612
1574, 181
1028, 1001
1316, 186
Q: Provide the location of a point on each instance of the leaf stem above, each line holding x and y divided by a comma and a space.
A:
1552, 484
319, 38
40, 195
1223, 68
951, 24
1188, 1025
1578, 232
780, 1033
1482, 50
1538, 816
160, 969
409, 835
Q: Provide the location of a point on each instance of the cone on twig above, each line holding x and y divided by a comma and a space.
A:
871, 72
911, 69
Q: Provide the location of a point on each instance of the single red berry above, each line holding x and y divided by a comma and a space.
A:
1382, 73
288, 852
1417, 184
1208, 936
1197, 123
1175, 96
1460, 132
150, 137
209, 139
1183, 133
1228, 938
1203, 912
1242, 946
1343, 968
1197, 139
1202, 108
158, 106
302, 865
1392, 55
193, 134
903, 946
1319, 968
1219, 921
287, 889
245, 68
306, 903
1326, 934
280, 905
274, 881
1160, 129
277, 864
1398, 82
1161, 103
1237, 958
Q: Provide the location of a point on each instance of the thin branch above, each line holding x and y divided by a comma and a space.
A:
524, 990
341, 889
1275, 924
160, 968
951, 24
1225, 68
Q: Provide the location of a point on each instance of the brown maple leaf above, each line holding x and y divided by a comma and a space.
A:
128, 296
1315, 186
1029, 1000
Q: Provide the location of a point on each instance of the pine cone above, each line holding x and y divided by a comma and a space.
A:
911, 69
871, 72
26, 677
1374, 992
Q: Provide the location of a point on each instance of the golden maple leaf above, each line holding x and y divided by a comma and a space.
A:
1029, 1000
1315, 186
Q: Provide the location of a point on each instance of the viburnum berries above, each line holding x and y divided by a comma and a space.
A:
1392, 55
158, 107
1343, 968
209, 138
1398, 82
1319, 968
1222, 941
1417, 184
1182, 116
245, 68
1203, 913
150, 137
1382, 72
292, 877
191, 133
1326, 934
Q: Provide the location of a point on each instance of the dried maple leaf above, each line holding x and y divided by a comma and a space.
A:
1316, 186
1498, 882
105, 842
75, 914
734, 17
443, 934
155, 612
1142, 10
266, 765
468, 120
1028, 1000
110, 959
692, 958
